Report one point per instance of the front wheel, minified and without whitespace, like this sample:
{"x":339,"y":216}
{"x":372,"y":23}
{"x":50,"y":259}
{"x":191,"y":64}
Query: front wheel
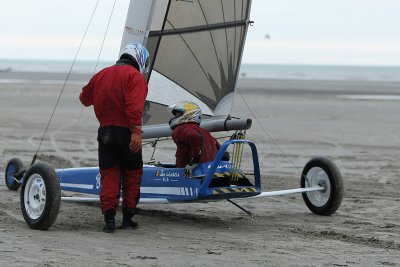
{"x":40,"y":196}
{"x":14,"y":172}
{"x":322,"y":172}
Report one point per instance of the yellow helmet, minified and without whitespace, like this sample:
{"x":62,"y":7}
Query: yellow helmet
{"x":184,"y":112}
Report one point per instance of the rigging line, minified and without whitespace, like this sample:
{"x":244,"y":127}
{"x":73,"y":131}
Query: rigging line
{"x":94,"y":71}
{"x":266,"y":133}
{"x":65,"y":83}
{"x":242,"y":148}
{"x":105,"y":35}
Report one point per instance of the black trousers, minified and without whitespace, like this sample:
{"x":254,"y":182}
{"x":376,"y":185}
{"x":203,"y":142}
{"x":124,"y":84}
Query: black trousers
{"x":114,"y":149}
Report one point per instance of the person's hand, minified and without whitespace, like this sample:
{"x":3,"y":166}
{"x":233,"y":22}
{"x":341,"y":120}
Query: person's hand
{"x":189,"y":168}
{"x":136,"y":139}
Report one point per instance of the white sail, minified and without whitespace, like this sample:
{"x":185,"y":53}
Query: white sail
{"x":196,"y":49}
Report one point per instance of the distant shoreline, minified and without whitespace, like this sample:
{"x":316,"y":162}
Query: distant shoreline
{"x":280,"y":86}
{"x":252,"y":71}
{"x":333,"y":87}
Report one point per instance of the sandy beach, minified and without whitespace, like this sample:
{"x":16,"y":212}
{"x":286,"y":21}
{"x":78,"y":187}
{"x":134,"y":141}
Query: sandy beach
{"x":293,"y":121}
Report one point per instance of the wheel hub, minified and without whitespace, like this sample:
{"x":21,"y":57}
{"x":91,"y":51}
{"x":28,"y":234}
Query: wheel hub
{"x":35,"y":196}
{"x":318,"y":177}
{"x":322,"y":183}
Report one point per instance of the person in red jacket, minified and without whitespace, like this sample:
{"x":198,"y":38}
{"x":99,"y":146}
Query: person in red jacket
{"x":118,"y":94}
{"x":194,"y":144}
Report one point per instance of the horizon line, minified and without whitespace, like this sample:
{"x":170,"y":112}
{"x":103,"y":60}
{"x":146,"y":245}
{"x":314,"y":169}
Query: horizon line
{"x":243,"y":63}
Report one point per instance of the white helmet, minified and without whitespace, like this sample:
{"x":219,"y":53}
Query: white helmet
{"x":184,"y":112}
{"x":139,"y":53}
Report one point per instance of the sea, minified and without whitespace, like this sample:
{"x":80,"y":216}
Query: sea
{"x":253,"y":71}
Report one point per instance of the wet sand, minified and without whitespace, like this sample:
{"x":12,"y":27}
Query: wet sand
{"x":293,"y":121}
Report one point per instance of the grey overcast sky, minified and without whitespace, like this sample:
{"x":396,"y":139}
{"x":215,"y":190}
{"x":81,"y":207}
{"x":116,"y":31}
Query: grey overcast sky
{"x":344,"y":32}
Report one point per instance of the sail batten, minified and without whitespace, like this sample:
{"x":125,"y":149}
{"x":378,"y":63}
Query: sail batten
{"x":208,"y":27}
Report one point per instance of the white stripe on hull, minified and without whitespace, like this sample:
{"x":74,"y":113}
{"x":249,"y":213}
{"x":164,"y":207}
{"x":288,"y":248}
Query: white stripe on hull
{"x":81,"y":186}
{"x":180,"y":191}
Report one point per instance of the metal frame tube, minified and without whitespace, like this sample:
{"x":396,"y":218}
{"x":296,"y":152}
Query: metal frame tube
{"x":165,"y":201}
{"x":289,"y":191}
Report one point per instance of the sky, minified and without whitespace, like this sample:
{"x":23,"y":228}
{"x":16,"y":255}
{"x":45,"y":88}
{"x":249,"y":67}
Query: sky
{"x":322,"y":32}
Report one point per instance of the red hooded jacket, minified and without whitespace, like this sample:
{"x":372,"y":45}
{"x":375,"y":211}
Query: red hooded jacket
{"x":118,"y":94}
{"x":193,"y":141}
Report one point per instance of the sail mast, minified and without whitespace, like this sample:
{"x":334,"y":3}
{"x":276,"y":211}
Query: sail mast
{"x":138,"y":22}
{"x":143,"y":17}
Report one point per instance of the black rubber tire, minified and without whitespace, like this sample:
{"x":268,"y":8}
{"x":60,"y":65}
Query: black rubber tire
{"x":336,"y":186}
{"x":52,"y":196}
{"x":18,"y":166}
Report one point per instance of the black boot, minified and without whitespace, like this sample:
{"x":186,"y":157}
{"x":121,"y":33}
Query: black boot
{"x":127,"y":222}
{"x":109,"y":218}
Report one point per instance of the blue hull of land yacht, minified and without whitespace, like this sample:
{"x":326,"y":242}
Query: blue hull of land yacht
{"x":170,"y":183}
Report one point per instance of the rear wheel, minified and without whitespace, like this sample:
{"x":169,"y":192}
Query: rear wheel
{"x":14,"y":173}
{"x":322,"y":172}
{"x":40,"y":196}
